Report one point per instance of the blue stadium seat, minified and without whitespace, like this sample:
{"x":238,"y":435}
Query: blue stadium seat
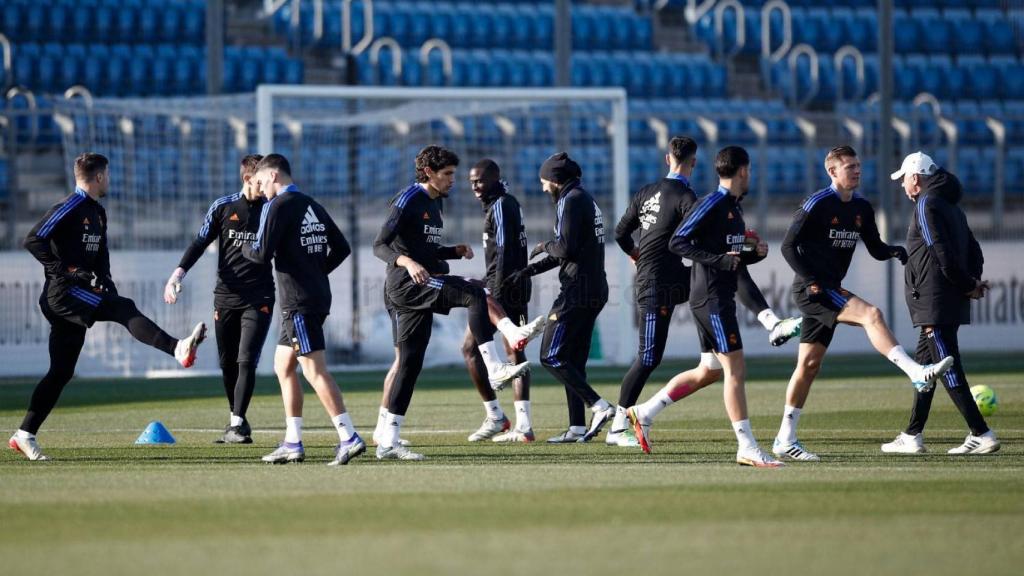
{"x":909,"y":38}
{"x":999,"y":36}
{"x":935,"y":31}
{"x":968,"y":33}
{"x":970,"y":123}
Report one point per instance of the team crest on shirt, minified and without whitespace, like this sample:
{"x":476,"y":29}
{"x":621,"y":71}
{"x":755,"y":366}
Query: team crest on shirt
{"x":664,"y":310}
{"x":857,"y":221}
{"x":732,"y":339}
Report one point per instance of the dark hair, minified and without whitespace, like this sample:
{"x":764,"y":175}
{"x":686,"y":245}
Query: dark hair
{"x":488,"y":167}
{"x":729,"y":161}
{"x":436,"y":158}
{"x":838,"y":153}
{"x":88,"y":165}
{"x":248,"y":165}
{"x":275,"y":162}
{"x":682,"y":148}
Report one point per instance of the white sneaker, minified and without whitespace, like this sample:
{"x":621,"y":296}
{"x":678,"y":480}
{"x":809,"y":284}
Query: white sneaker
{"x":754,"y":456}
{"x":398,"y":453}
{"x":185,"y":351}
{"x":377,"y":440}
{"x":987,"y":443}
{"x":622,"y":438}
{"x":794,"y":451}
{"x":505,"y":373}
{"x":925,"y":379}
{"x":905,"y":444}
{"x":515,"y":436}
{"x":490,"y":428}
{"x":565,"y":438}
{"x":641,"y":429}
{"x":597,"y":421}
{"x":28,"y":447}
{"x":785,"y":330}
{"x":528,"y":332}
{"x":286,"y":452}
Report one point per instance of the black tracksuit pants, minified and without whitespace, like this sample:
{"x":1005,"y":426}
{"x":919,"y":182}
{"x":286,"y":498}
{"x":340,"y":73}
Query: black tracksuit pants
{"x":934,"y":344}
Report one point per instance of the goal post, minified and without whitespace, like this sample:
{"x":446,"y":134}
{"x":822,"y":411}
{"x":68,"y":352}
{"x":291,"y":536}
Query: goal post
{"x":374,"y":133}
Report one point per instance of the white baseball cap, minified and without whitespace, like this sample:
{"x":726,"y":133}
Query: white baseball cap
{"x":916,"y":163}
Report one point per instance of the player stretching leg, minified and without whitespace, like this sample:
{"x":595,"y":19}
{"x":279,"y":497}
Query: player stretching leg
{"x":662,"y":280}
{"x":71,"y":244}
{"x":418,"y":285}
{"x":305,"y":245}
{"x":243,"y":299}
{"x":819,"y":247}
{"x":504,"y":240}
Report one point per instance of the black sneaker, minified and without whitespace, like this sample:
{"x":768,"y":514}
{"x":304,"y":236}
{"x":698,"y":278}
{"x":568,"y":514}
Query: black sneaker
{"x":241,"y":434}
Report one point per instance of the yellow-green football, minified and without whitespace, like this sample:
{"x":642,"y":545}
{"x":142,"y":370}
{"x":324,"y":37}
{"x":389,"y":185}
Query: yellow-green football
{"x":985,"y":398}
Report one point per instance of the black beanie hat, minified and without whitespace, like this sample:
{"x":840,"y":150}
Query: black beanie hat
{"x":559,"y":168}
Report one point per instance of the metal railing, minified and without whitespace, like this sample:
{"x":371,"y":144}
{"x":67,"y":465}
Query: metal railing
{"x":768,"y":55}
{"x":741,"y":29}
{"x":5,"y":44}
{"x":849,"y":51}
{"x":812,"y":62}
{"x":446,"y":58}
{"x":346,"y":28}
{"x":396,"y":57}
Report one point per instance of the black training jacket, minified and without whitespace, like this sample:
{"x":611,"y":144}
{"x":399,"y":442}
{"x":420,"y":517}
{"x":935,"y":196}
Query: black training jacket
{"x":233,"y":221}
{"x":505,"y":248}
{"x":305,"y":244}
{"x":578,"y":248}
{"x":945,"y":259}
{"x":657,"y":209}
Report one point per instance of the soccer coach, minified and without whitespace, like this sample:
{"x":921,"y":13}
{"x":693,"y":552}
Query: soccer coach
{"x":942,"y":275}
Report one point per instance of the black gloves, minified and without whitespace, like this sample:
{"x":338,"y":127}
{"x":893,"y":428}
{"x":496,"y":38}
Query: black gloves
{"x":900,"y":253}
{"x":516,"y":278}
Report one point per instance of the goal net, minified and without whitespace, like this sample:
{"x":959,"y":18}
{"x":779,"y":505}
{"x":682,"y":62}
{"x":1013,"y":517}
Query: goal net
{"x":352,"y":148}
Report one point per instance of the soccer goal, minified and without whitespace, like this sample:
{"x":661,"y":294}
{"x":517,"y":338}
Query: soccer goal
{"x":352,"y":148}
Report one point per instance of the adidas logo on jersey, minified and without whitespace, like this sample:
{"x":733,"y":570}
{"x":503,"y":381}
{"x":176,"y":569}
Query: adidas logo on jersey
{"x":310,"y":223}
{"x":234,"y":217}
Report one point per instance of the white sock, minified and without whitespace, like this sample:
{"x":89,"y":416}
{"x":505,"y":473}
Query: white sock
{"x":236,"y":420}
{"x":899,"y":357}
{"x":293,"y":429}
{"x":600,"y":405}
{"x":578,"y":430}
{"x":787,"y":431}
{"x":494,"y":411}
{"x":743,"y":434}
{"x":523,"y":423}
{"x":508,"y":329}
{"x":489,"y":351}
{"x":392,"y":429}
{"x":650,"y":409}
{"x":382,"y":416}
{"x":343,"y":423}
{"x":768,"y":319}
{"x":619,"y":422}
{"x":24,"y":435}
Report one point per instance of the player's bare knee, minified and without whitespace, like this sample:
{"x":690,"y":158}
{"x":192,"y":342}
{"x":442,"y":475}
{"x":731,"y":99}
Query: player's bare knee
{"x":468,"y":349}
{"x":875,"y":316}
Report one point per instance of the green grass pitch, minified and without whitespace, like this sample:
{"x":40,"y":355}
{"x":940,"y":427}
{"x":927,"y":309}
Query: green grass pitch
{"x":104,"y":506}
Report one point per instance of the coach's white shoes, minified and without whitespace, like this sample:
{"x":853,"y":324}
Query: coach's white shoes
{"x":528,"y":332}
{"x":398,"y":453}
{"x":503,"y":374}
{"x":490,"y":428}
{"x":924,"y":381}
{"x":794,"y":451}
{"x":185,"y":351}
{"x":987,"y":443}
{"x":28,"y":447}
{"x":905,"y":444}
{"x":566,"y":437}
{"x":754,"y":456}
